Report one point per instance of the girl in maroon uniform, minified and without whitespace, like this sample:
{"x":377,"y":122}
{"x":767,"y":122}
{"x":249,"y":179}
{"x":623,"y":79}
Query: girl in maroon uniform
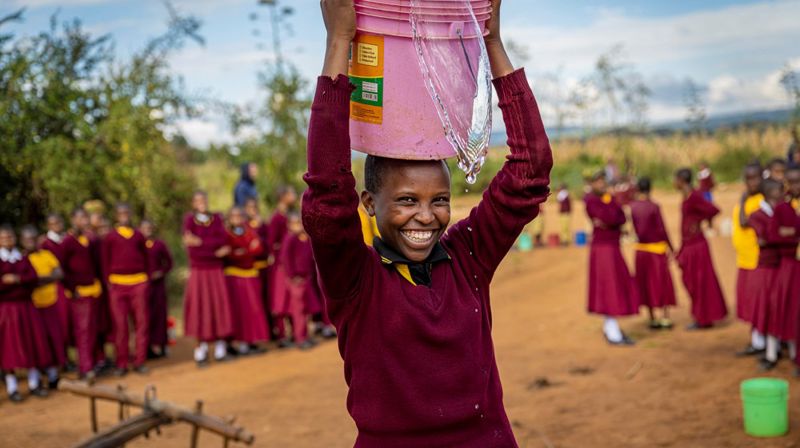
{"x":413,"y":312}
{"x":160,"y":263}
{"x":23,"y":344}
{"x":694,"y":257}
{"x":611,"y":288}
{"x":206,"y":306}
{"x":262,"y":260}
{"x":301,"y":299}
{"x":287,"y":197}
{"x":653,"y":278}
{"x":244,"y":284}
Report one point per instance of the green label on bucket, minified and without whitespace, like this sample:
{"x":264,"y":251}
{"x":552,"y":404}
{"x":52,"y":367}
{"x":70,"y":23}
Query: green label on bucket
{"x":368,"y":91}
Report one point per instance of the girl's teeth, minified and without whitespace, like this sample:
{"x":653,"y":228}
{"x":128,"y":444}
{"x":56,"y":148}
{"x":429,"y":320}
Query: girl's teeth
{"x":420,"y":237}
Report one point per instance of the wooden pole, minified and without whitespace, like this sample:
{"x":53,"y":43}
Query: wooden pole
{"x":207,"y":422}
{"x":198,"y":409}
{"x":125,"y":431}
{"x":93,"y":414}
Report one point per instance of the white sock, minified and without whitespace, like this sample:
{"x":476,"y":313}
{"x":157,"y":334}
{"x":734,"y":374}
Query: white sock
{"x":611,"y":329}
{"x":773,"y":345}
{"x":11,"y":383}
{"x":52,"y":374}
{"x":220,"y":350}
{"x":757,"y":340}
{"x":243,"y":349}
{"x":201,"y":352}
{"x":34,"y":379}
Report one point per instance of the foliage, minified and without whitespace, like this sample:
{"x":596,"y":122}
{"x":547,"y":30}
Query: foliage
{"x":81,"y":126}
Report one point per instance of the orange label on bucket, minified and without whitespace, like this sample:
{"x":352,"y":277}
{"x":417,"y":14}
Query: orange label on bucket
{"x":366,"y":73}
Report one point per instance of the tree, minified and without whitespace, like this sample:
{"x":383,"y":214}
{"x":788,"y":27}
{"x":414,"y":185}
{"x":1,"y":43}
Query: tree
{"x":696,"y":116}
{"x":790,"y":80}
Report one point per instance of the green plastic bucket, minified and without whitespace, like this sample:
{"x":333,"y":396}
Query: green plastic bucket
{"x":765,"y":403}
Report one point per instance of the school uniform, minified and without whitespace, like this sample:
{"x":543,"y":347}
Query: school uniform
{"x":764,"y":224}
{"x":45,"y":300}
{"x":83,"y":289}
{"x":23,"y":341}
{"x":745,"y":242}
{"x":611,"y":288}
{"x":416,"y":337}
{"x":784,"y":319}
{"x":206,"y":309}
{"x":159,"y":259}
{"x":694,"y":258}
{"x":54,"y":244}
{"x":653,"y":278}
{"x":301,"y":299}
{"x":244,"y":288}
{"x":262,"y":263}
{"x":127,"y":274}
{"x":706,"y":183}
{"x":277,"y":276}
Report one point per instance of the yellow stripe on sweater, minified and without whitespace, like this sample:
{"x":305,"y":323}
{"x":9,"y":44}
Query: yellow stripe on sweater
{"x":405,"y":272}
{"x":659,"y":248}
{"x":233,"y":271}
{"x":127,"y":279}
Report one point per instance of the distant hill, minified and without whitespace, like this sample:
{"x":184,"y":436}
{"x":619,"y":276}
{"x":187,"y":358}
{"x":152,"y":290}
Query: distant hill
{"x":712,"y":124}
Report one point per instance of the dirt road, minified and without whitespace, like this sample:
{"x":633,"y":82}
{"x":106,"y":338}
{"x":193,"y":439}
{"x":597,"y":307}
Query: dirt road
{"x":564,"y":387}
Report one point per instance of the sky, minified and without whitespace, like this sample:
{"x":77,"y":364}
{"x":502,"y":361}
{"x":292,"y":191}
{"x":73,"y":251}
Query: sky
{"x":733,"y":50}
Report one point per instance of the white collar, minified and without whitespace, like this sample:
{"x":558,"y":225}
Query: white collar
{"x":55,"y":237}
{"x":10,"y":256}
{"x":766,"y":208}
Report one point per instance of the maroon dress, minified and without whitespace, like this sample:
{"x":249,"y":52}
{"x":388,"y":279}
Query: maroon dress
{"x":277,"y":275}
{"x":611,"y":288}
{"x":653,"y":279}
{"x":784,"y":293}
{"x":159,"y":260}
{"x":62,"y":305}
{"x":244,"y":288}
{"x":82,"y":286}
{"x":419,"y":360}
{"x":23,"y":341}
{"x":694,"y":258}
{"x":206,"y":306}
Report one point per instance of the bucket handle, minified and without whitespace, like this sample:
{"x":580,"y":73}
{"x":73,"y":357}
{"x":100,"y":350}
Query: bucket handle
{"x":457,"y":30}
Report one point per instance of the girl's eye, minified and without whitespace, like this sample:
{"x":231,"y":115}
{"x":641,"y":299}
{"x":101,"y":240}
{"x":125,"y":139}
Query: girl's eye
{"x":442,"y":200}
{"x":406,"y":199}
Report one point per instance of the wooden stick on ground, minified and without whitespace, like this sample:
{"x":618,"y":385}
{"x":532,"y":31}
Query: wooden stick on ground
{"x":125,"y":431}
{"x":173,"y":412}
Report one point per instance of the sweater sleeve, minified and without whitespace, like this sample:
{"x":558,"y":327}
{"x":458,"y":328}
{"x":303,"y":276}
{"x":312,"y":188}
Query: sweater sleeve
{"x":611,"y":214}
{"x":330,"y":205}
{"x":514,"y":196}
{"x":165,"y":259}
{"x":702,"y":208}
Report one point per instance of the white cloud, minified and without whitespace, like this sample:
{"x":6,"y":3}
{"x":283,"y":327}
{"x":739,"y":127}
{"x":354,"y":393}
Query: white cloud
{"x":200,"y":132}
{"x":40,"y":3}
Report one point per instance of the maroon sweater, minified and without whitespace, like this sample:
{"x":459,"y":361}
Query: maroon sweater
{"x":56,"y":249}
{"x":80,"y":263}
{"x":18,"y":292}
{"x":122,"y":255}
{"x":297,"y":257}
{"x":419,"y":360}
{"x":786,"y":216}
{"x":648,"y":222}
{"x":278,"y":227}
{"x":213,"y":235}
{"x":159,"y":258}
{"x":610,"y":215}
{"x":694,"y":210}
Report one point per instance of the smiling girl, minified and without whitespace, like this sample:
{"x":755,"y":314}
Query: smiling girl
{"x":413,"y":313}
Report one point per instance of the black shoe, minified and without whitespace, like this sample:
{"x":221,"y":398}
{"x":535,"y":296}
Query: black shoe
{"x":39,"y":392}
{"x":70,"y":367}
{"x":285,"y":343}
{"x":89,"y":376}
{"x":225,"y":358}
{"x":654,"y":325}
{"x":750,"y":351}
{"x":625,"y":341}
{"x":308,"y":344}
{"x":255,"y":349}
{"x":141,"y":369}
{"x":16,"y":397}
{"x":766,"y":365}
{"x":120,"y":372}
{"x":53,"y":385}
{"x":694,"y":326}
{"x":203,"y":363}
{"x":329,"y":333}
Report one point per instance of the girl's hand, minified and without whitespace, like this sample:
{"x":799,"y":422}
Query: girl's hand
{"x":340,"y":22}
{"x":222,"y":252}
{"x":10,"y":279}
{"x":498,"y":58}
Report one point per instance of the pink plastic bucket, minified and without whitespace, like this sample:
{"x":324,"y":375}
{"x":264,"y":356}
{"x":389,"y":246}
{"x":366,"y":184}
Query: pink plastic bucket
{"x":391,"y":112}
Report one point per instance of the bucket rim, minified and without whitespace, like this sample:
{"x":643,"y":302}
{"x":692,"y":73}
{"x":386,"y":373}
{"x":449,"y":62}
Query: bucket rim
{"x":764,"y":388}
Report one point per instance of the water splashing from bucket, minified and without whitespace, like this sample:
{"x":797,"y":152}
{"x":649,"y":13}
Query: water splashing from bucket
{"x":447,"y":65}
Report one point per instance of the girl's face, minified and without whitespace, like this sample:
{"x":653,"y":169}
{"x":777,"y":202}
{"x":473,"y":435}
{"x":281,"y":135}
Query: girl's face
{"x":28,"y":241}
{"x":147,"y":229}
{"x":412,"y":208}
{"x":236,"y":218}
{"x":7,"y":239}
{"x":599,"y":186}
{"x":251,"y":208}
{"x":80,"y":220}
{"x":200,"y":203}
{"x":55,"y":224}
{"x":793,"y":182}
{"x":289,"y":198}
{"x":752,"y":180}
{"x":295,"y":225}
